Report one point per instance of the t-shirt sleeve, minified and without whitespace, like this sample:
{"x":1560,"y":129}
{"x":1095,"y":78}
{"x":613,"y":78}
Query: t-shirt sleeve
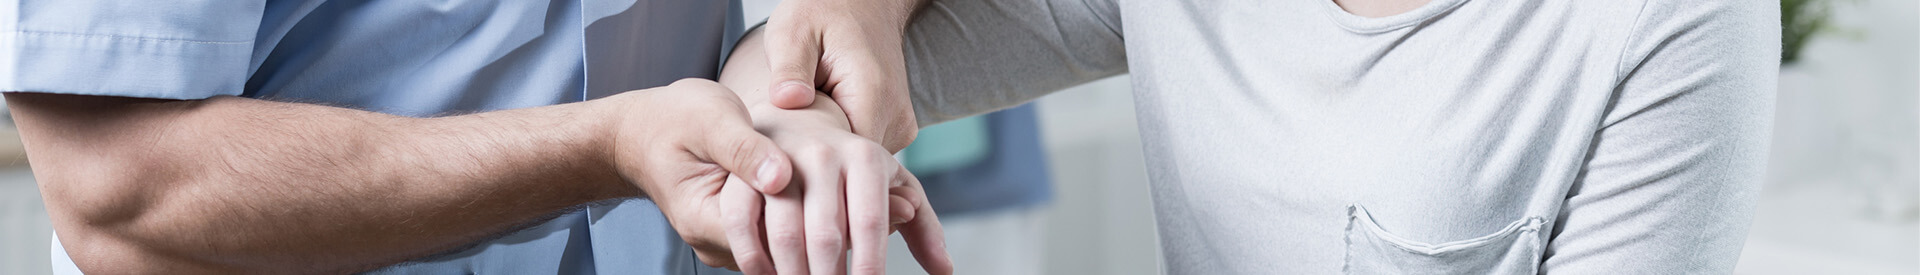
{"x":185,"y":49}
{"x":968,"y":57}
{"x":1672,"y":179}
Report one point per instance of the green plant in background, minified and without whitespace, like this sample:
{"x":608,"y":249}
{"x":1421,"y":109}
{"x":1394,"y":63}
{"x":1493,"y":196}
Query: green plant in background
{"x":1800,"y":20}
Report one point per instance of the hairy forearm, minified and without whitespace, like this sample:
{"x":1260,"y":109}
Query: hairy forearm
{"x":249,"y":185}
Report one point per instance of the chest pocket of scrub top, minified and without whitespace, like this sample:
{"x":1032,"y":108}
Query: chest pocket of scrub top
{"x":1515,"y":249}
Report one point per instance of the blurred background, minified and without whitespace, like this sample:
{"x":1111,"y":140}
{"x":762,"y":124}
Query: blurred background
{"x":1842,"y":196}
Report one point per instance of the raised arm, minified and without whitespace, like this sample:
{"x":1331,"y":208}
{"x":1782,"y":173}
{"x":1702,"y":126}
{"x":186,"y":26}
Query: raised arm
{"x":1671,"y":182}
{"x":970,"y":57}
{"x":236,"y":185}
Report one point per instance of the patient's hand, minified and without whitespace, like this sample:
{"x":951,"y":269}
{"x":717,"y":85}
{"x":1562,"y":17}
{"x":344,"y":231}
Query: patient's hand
{"x":847,"y":192}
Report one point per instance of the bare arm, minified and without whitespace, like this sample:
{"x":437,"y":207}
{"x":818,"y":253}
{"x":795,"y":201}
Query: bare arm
{"x":242,"y":185}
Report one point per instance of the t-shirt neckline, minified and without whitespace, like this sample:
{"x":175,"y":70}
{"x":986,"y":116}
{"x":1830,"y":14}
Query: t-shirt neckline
{"x":1366,"y":25}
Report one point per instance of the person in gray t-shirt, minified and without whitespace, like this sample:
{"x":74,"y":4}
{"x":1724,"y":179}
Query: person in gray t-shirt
{"x":1446,"y":136}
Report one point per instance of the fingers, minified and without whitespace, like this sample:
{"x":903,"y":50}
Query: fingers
{"x":899,"y":211}
{"x":922,"y":231}
{"x":868,"y":178}
{"x":786,"y":231}
{"x":826,"y":219}
{"x":742,"y":207}
{"x":754,"y":157}
{"x":793,"y":53}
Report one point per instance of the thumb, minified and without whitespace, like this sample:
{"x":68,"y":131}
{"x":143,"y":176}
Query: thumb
{"x":748,"y":155}
{"x":793,"y":55}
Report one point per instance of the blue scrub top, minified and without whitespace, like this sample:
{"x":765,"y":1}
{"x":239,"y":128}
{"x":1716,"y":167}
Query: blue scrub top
{"x":412,"y":58}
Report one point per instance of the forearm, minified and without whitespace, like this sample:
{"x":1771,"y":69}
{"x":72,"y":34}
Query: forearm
{"x":256,"y":186}
{"x":970,"y":57}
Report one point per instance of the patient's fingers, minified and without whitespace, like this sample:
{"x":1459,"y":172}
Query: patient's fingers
{"x":922,"y":231}
{"x":742,"y":207}
{"x":868,"y":177}
{"x":825,"y":218}
{"x":786,"y":229}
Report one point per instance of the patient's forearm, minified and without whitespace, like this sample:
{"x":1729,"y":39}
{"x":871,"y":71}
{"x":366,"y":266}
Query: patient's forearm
{"x":970,"y":57}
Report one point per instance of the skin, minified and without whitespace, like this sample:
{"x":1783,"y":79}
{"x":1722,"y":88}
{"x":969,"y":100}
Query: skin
{"x":1379,"y":8}
{"x":827,"y":157}
{"x":236,"y":185}
{"x":850,"y":49}
{"x":810,"y":231}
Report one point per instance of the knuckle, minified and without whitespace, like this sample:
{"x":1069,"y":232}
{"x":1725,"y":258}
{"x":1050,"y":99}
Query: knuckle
{"x":796,"y":69}
{"x":825,"y":238}
{"x":743,"y":149}
{"x":872,"y":222}
{"x":868,"y":268}
{"x":863,"y":149}
{"x":747,"y":255}
{"x":740,"y":224}
{"x":786,"y":238}
{"x":905,"y":135}
{"x":853,"y":145}
{"x":814,"y":154}
{"x":872,"y":153}
{"x":710,"y":260}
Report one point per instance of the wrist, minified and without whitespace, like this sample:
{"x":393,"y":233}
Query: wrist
{"x":823,"y":113}
{"x":598,"y":131}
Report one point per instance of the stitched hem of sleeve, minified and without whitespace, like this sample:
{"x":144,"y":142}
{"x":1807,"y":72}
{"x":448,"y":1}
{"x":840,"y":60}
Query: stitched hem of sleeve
{"x":108,"y":65}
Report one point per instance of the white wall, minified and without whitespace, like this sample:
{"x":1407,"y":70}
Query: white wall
{"x":25,"y":236}
{"x":1101,"y":220}
{"x":1844,"y":193}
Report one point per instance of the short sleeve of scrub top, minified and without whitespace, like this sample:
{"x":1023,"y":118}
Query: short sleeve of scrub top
{"x":185,"y":49}
{"x":506,"y":54}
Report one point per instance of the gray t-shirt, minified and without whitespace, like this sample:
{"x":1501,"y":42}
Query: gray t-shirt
{"x":1292,"y":137}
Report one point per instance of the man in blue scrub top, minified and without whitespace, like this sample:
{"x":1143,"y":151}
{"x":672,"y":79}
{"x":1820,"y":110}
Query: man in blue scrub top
{"x":309,"y":136}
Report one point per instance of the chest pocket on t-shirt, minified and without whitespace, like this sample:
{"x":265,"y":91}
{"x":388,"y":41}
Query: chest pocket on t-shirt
{"x":1370,"y":249}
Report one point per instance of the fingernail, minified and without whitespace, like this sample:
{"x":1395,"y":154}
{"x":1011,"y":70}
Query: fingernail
{"x":765,"y":176}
